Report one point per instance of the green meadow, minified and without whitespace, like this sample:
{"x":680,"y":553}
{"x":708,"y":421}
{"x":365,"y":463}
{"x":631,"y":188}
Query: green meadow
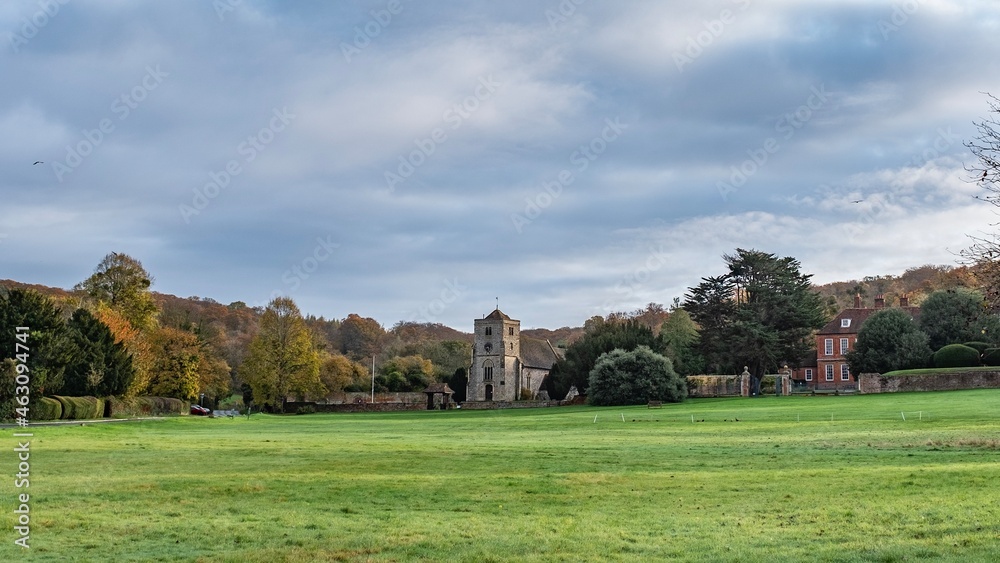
{"x":794,"y":479}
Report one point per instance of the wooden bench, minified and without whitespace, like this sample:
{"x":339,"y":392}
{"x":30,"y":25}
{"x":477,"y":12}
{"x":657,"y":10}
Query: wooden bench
{"x":655,"y":405}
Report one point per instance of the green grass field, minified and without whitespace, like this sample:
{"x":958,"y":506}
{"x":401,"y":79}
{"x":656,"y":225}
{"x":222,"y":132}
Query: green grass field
{"x":797,"y":478}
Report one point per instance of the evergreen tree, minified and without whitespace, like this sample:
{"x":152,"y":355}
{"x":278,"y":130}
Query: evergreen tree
{"x":889,"y":340}
{"x":100,"y":366}
{"x":760,"y":314}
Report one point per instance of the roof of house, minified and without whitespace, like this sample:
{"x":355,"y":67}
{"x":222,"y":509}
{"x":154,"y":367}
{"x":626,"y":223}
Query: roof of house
{"x":857,"y":317}
{"x":538,"y":353}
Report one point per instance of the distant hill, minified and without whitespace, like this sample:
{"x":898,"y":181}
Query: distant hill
{"x":915,"y":283}
{"x":560,"y":337}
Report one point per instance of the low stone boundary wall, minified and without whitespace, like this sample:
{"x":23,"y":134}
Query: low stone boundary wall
{"x":487,"y":405}
{"x":878,"y":383}
{"x":291,"y":408}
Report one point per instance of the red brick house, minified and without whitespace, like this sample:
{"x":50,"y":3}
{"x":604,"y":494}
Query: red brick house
{"x":830,"y":370}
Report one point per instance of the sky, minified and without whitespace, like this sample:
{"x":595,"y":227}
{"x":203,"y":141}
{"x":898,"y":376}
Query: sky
{"x":426,"y":160}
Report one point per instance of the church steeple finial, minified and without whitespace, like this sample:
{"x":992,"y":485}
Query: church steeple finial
{"x":498,"y":303}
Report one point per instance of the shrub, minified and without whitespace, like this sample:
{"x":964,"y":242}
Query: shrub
{"x":47,"y":409}
{"x":956,"y":356}
{"x":307,"y":409}
{"x":79,"y":408}
{"x":628,"y":378}
{"x":991,"y":357}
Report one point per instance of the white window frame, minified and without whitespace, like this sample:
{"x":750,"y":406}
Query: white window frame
{"x":845,"y":323}
{"x":829,"y":372}
{"x":828,"y":347}
{"x":809,"y":374}
{"x":845,"y":372}
{"x":845,"y":344}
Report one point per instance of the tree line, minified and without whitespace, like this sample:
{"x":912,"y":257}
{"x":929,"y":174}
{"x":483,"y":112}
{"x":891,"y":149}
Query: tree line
{"x":112,"y":336}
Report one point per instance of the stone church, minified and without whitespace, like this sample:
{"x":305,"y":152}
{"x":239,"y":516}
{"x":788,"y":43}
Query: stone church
{"x":505,"y":364}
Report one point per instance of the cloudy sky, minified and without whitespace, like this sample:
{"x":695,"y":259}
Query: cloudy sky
{"x":415,"y":160}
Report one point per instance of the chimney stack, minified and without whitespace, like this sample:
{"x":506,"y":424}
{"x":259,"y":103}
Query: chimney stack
{"x":857,"y":300}
{"x":879,"y":301}
{"x":904,"y":301}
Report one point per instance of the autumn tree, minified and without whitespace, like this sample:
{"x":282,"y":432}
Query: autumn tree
{"x":177,"y":363}
{"x":360,"y":337}
{"x":122,"y":282}
{"x":407,"y":373}
{"x":761,"y":313}
{"x":339,"y":373}
{"x":135,"y":342}
{"x":282,"y":361}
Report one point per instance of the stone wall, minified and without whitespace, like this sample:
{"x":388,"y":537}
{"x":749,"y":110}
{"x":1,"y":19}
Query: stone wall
{"x":291,"y":407}
{"x":487,"y":405}
{"x":354,"y":397}
{"x":877,"y":383}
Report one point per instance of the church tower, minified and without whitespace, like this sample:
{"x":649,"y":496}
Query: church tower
{"x":495,"y":374}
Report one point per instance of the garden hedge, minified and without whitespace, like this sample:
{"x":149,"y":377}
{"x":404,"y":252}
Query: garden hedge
{"x":47,"y":409}
{"x":956,"y":356}
{"x":981,"y":346}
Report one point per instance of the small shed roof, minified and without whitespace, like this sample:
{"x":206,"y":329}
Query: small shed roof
{"x":439,"y":388}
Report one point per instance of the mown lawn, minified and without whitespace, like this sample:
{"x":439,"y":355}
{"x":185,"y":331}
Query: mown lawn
{"x":796,"y":478}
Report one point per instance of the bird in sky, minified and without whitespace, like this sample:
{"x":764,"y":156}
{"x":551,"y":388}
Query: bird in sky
{"x":37,"y":162}
{"x":857,"y":201}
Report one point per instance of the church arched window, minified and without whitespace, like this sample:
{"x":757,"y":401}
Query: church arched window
{"x":489,"y":331}
{"x":488,"y":370}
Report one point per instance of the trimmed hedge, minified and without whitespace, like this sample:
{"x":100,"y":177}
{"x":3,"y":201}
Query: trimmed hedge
{"x":47,"y":409}
{"x":956,"y":356}
{"x":991,"y":357}
{"x":981,"y":346}
{"x":80,"y":408}
{"x":162,"y":405}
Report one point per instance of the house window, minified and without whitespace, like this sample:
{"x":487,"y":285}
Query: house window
{"x":488,"y":371}
{"x":845,"y":372}
{"x":843,"y":345}
{"x":511,"y":330}
{"x":809,"y":374}
{"x":845,"y":323}
{"x":489,"y":331}
{"x":828,"y":347}
{"x":829,"y":372}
